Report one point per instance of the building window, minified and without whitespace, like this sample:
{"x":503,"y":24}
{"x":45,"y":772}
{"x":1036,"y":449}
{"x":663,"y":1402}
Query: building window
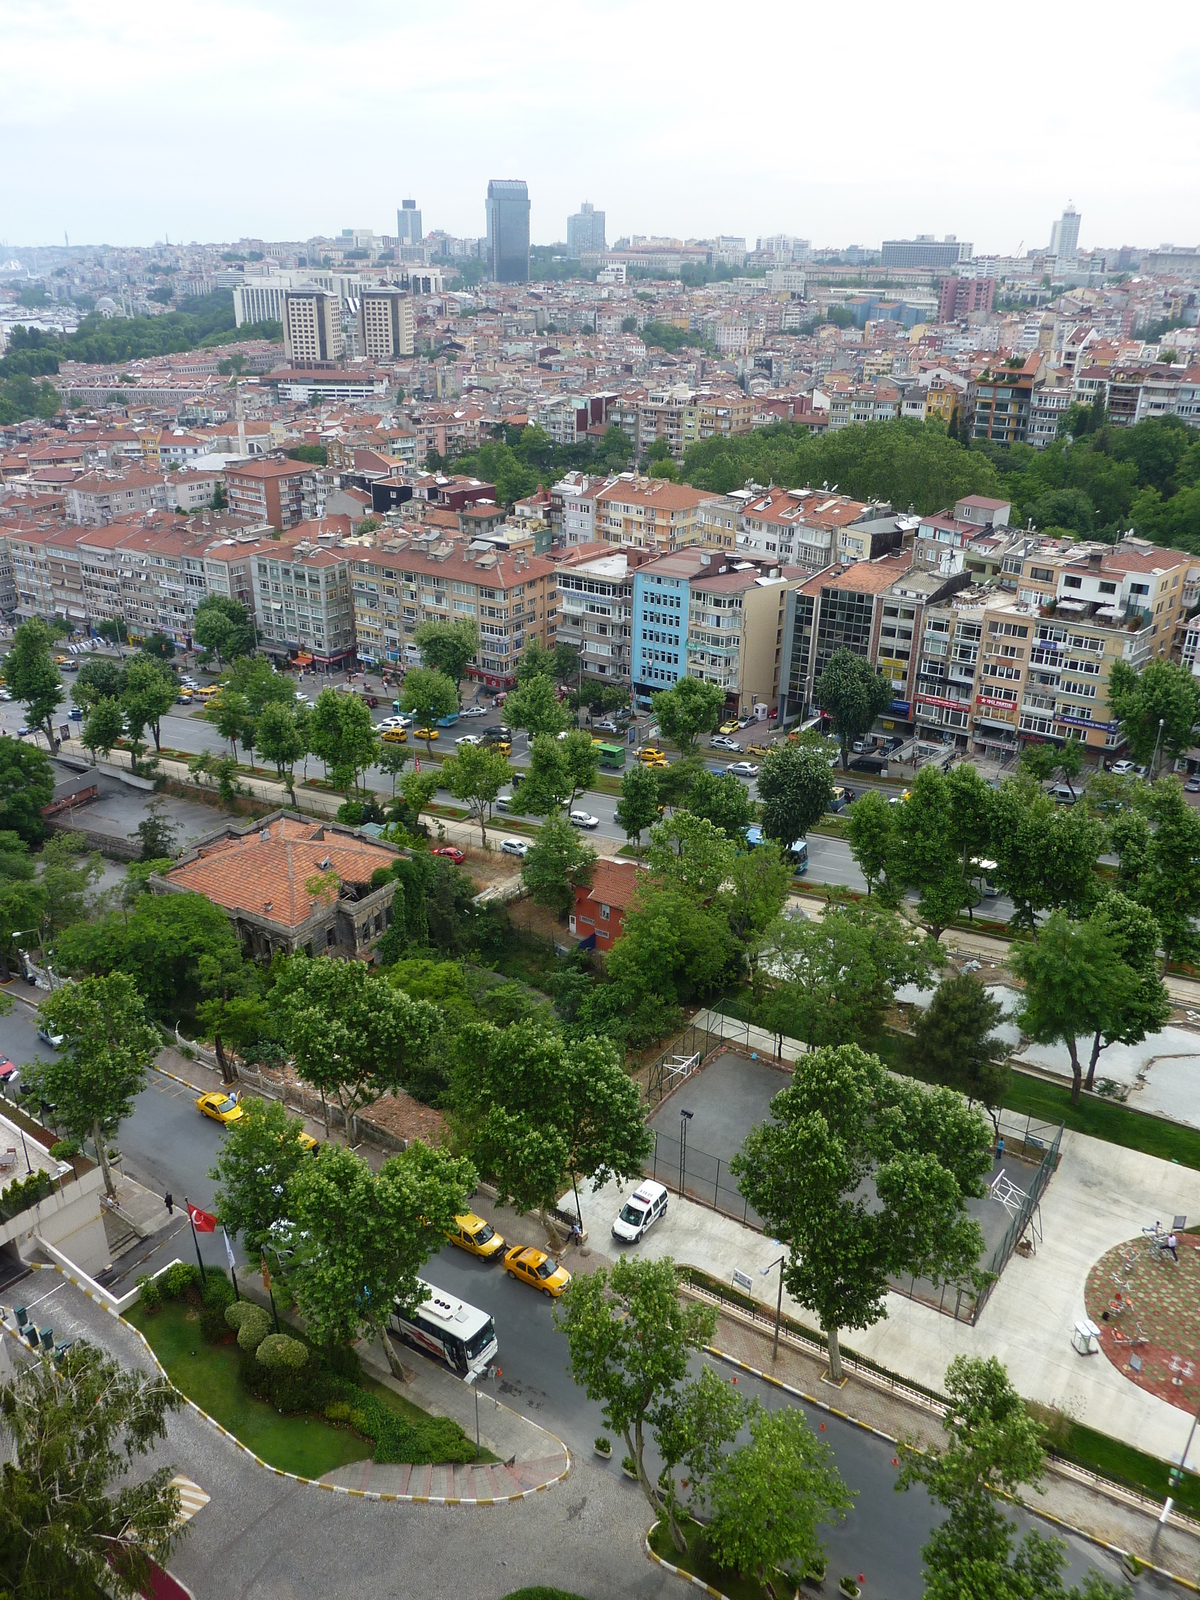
{"x":604,"y":913}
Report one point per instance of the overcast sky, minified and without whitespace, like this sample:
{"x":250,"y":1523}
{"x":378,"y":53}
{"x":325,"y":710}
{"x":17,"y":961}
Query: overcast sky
{"x":214,"y":119}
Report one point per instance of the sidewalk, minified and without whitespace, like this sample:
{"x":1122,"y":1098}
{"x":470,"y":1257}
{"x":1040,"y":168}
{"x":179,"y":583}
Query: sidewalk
{"x":531,"y":1459}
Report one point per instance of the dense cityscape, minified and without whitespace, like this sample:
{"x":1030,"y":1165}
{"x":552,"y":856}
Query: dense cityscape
{"x":599,"y":869}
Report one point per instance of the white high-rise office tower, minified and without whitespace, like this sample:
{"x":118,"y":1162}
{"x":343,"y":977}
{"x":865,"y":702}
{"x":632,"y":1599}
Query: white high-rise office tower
{"x":408,"y":223}
{"x":1064,"y":234}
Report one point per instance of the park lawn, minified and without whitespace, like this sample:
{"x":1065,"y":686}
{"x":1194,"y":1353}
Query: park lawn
{"x":209,"y":1375}
{"x":696,"y":1560}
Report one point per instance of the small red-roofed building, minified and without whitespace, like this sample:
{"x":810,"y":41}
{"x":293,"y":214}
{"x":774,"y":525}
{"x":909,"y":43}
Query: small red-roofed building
{"x":598,"y":919}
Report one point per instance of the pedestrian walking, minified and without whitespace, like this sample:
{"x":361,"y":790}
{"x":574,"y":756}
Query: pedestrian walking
{"x":1000,"y":1148}
{"x":1172,"y":1245}
{"x":169,"y":1202}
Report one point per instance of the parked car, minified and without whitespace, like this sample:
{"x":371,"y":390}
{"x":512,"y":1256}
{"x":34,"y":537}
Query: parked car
{"x":451,"y":853}
{"x":1193,"y":785}
{"x":8,"y":1069}
{"x":514,"y":847}
{"x":645,"y":1205}
{"x":1122,"y":769}
{"x":584,"y":819}
{"x":729,"y":727}
{"x":606,"y":725}
{"x":743,"y":769}
{"x":476,"y":711}
{"x":220,"y":1107}
{"x":720,"y":742}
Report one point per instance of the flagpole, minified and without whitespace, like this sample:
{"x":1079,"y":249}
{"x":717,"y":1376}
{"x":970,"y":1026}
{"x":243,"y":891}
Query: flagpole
{"x":232,"y":1270}
{"x":195,"y":1239}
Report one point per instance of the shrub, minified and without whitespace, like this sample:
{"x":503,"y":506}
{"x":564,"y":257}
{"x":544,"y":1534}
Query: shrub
{"x":342,"y":1362}
{"x":181,"y":1281}
{"x":65,"y":1149}
{"x":235,"y":1313}
{"x":279,"y":1353}
{"x":255,"y":1326}
{"x":149,"y":1293}
{"x":217,"y":1291}
{"x":213,"y":1327}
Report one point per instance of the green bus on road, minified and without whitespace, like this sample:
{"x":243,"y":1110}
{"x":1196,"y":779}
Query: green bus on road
{"x":611,"y":755}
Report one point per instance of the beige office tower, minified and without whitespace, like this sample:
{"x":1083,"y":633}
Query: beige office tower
{"x":385,"y":324}
{"x":312,"y":327}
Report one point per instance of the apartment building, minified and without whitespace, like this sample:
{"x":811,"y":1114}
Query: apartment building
{"x":566,"y":418}
{"x":682,"y":416}
{"x":572,"y":507}
{"x":385,"y":324}
{"x":302,"y":596}
{"x":999,"y":666}
{"x":512,"y":596}
{"x":312,"y":328}
{"x":650,"y":513}
{"x":1000,"y":399}
{"x":811,"y":528}
{"x":280,"y":493}
{"x":735,"y":632}
{"x":838,"y":609}
{"x":97,"y":498}
{"x":945,"y":541}
{"x":595,"y":607}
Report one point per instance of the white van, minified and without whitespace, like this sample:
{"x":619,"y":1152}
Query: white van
{"x":643,"y":1208}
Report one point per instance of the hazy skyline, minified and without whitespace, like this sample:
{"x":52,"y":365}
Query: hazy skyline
{"x":216,"y":120}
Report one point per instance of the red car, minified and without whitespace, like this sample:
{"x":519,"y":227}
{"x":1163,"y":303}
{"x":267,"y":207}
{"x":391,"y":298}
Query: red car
{"x":451,"y":853}
{"x":7,"y":1068}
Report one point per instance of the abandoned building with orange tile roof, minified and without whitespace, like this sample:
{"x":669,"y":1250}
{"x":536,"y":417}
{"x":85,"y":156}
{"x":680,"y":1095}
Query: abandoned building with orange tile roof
{"x":292,"y":885}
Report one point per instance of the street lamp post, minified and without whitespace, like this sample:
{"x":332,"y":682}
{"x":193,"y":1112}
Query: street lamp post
{"x":1162,"y":722}
{"x":684,"y":1118}
{"x":778,"y":1303}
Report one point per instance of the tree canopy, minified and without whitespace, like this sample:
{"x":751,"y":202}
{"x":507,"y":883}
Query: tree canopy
{"x":852,"y":694}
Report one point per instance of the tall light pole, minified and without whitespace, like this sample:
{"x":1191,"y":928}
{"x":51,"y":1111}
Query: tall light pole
{"x":778,"y":1303}
{"x":684,"y":1118}
{"x":1162,"y":722}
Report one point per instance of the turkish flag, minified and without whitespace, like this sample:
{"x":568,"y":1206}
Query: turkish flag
{"x":201,"y":1220}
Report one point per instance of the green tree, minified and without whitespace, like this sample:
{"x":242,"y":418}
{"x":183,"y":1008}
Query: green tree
{"x":229,"y":713}
{"x":101,"y":678}
{"x":795,"y":787}
{"x":706,"y":1415}
{"x":32,"y":677}
{"x":1046,"y":854}
{"x":362,"y":1237}
{"x":631,"y":1338}
{"x":852,"y":694}
{"x":69,"y":1528}
{"x":260,"y":1155}
{"x":148,"y":695}
{"x":691,"y":853}
{"x":871,"y":834}
{"x":448,"y":647}
{"x":352,"y":1035}
{"x":673,"y":948}
{"x":392,"y":760}
{"x":845,"y":1119}
{"x":723,"y":800}
{"x":262,"y":685}
{"x":770,"y":1497}
{"x":1158,"y":709}
{"x":559,"y":769}
{"x":557,"y":860}
{"x":686,"y":710}
{"x":222,"y":627}
{"x":68,"y":871}
{"x":993,"y":1447}
{"x":103,"y":727}
{"x":637,"y":808}
{"x":1136,"y":938}
{"x":22,"y":901}
{"x":1076,"y":983}
{"x":955,"y":1043}
{"x":157,"y":835}
{"x":102,"y":1067}
{"x":342,"y":736}
{"x":835,"y":979}
{"x":535,"y":1110}
{"x":160,"y":943}
{"x":280,"y":739}
{"x":429,"y":696}
{"x":476,"y":773}
{"x":26,"y":785}
{"x":923,"y":853}
{"x":534,"y":705}
{"x":754,"y":893}
{"x":1160,"y":865}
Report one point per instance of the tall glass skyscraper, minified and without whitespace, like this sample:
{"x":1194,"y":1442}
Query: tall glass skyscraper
{"x":408,"y":223}
{"x":508,"y":230}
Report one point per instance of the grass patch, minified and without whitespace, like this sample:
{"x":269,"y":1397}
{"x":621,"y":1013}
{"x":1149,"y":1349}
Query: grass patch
{"x":696,"y":1560}
{"x":1105,"y":1119}
{"x":210,"y":1375}
{"x":541,"y":1592}
{"x":1114,"y":1459}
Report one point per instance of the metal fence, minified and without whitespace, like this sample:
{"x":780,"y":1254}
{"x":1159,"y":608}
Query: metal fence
{"x":1030,"y":1139}
{"x":699,"y":1041}
{"x":699,"y":1176}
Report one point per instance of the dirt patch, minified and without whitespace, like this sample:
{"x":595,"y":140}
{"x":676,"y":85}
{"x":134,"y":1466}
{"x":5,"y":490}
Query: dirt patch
{"x":394,"y":1120}
{"x":529,"y":917}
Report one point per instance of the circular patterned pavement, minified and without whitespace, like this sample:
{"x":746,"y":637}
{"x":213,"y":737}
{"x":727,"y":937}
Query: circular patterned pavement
{"x":1147,"y":1307}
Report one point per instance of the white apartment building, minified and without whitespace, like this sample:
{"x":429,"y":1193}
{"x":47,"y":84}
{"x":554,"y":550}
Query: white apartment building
{"x":595,"y":609}
{"x":312,"y":327}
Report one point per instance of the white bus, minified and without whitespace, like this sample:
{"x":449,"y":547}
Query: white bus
{"x":454,"y":1332}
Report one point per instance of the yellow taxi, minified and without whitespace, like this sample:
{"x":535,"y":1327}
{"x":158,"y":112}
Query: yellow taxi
{"x":759,"y":750}
{"x":475,"y":1236}
{"x":220,"y":1107}
{"x":306,"y":1142}
{"x":425,"y":733}
{"x":651,"y":756}
{"x":728,"y":727}
{"x":395,"y":736}
{"x":537,"y":1269}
